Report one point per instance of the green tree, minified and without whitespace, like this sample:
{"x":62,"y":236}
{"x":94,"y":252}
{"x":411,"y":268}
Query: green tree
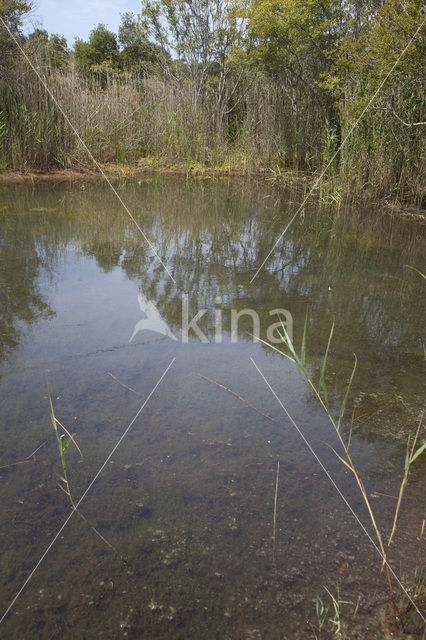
{"x":138,"y":53}
{"x":295,"y":38}
{"x":293,"y":42}
{"x":51,"y":51}
{"x":128,"y":31}
{"x":12,"y":13}
{"x":373,"y":44}
{"x":383,"y":52}
{"x":202,"y":35}
{"x":99,"y":53}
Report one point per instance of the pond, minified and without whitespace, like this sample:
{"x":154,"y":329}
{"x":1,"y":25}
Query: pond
{"x":189,"y":497}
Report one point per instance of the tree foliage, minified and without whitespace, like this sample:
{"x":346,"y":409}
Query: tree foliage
{"x":201,"y":37}
{"x":12,"y":13}
{"x":286,"y":82}
{"x":50,"y":51}
{"x":386,"y":43}
{"x":100,"y":50}
{"x":138,"y":54}
{"x":105,"y":53}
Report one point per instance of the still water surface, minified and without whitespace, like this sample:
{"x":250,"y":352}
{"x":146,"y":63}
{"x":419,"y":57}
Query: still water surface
{"x":188,"y":497}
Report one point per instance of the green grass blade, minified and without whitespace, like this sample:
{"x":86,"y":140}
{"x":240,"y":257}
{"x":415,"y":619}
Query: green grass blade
{"x":269,"y":344}
{"x":322,"y":383}
{"x":52,"y":413}
{"x":303,"y":347}
{"x":407,"y":457}
{"x":345,"y":399}
{"x":350,"y":431}
{"x":294,"y":355}
{"x":416,"y":270}
{"x":69,"y":443}
{"x":419,"y":452}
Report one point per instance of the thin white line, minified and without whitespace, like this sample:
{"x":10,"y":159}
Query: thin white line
{"x":85,"y":493}
{"x":337,"y":489}
{"x":318,"y":180}
{"x":91,"y":156}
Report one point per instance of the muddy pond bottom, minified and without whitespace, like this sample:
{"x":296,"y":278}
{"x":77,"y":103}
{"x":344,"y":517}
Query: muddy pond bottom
{"x":220,"y":520}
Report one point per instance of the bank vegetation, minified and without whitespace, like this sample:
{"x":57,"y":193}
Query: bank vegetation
{"x":280,"y":86}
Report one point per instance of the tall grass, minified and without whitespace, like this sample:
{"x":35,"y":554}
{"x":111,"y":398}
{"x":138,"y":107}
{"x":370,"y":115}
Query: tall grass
{"x":154,"y":120}
{"x":64,"y":440}
{"x":320,"y":390}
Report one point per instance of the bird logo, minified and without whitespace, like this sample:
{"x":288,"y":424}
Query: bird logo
{"x":153,"y":320}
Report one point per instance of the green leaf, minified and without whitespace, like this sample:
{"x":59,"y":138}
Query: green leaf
{"x":350,"y":431}
{"x":322,"y":383}
{"x":416,"y":270}
{"x":343,"y":407}
{"x":69,"y":443}
{"x":52,"y":413}
{"x":303,"y":347}
{"x":407,"y":457}
{"x":419,"y":452}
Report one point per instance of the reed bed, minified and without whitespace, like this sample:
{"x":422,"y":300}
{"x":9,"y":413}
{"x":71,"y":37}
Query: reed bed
{"x":154,"y":121}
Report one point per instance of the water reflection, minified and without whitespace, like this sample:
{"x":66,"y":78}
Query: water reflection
{"x":189,"y":498}
{"x":23,"y":266}
{"x":213,"y":236}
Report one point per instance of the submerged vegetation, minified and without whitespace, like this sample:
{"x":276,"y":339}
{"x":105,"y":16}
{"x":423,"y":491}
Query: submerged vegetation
{"x":409,"y":595}
{"x":201,"y":484}
{"x":228,"y":85}
{"x":64,"y":484}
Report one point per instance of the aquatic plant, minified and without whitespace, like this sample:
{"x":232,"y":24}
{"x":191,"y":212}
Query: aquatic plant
{"x":65,"y":440}
{"x":337,"y":602}
{"x":321,"y":392}
{"x":152,"y":120}
{"x":322,"y":611}
{"x":416,"y":270}
{"x":334,"y":618}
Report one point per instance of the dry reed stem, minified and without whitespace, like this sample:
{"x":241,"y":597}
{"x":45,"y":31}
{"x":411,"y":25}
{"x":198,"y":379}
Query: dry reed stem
{"x":71,"y":437}
{"x":274,"y":529}
{"x":386,"y":495}
{"x":122,"y":383}
{"x":419,"y":551}
{"x":401,"y":492}
{"x":98,"y":533}
{"x":27,"y":459}
{"x":246,"y":402}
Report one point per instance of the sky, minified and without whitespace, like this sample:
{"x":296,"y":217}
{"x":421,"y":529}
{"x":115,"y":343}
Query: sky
{"x":71,"y":18}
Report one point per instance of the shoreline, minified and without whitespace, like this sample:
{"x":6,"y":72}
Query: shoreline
{"x":130,"y":172}
{"x":126,"y":171}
